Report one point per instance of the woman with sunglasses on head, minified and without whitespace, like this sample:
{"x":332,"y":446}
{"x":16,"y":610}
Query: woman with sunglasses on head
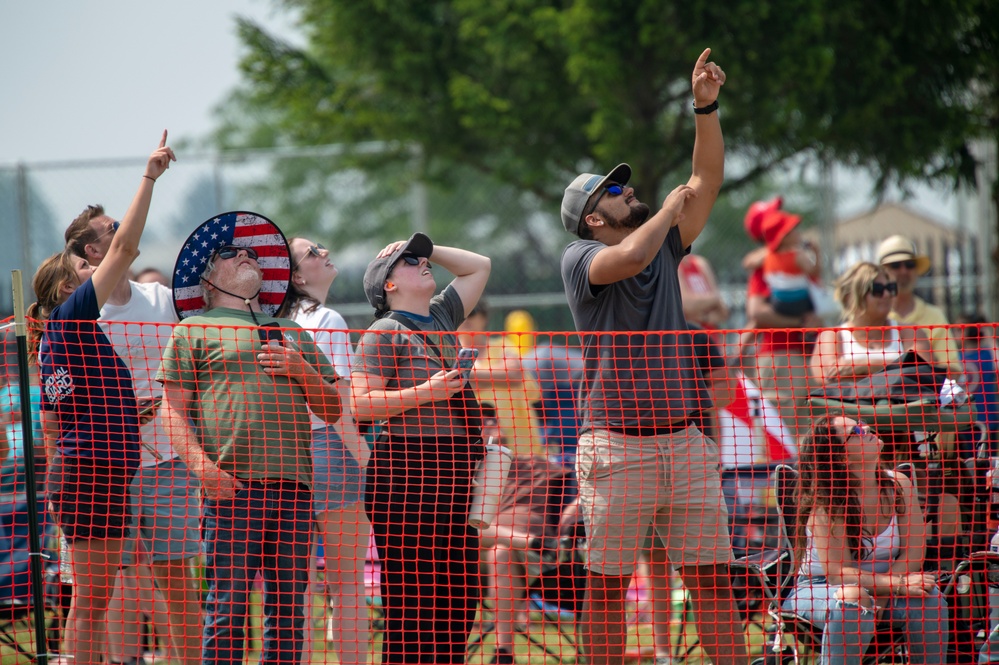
{"x":861,"y":541}
{"x":339,"y":455}
{"x":867,"y":341}
{"x":419,"y":482}
{"x":90,"y":415}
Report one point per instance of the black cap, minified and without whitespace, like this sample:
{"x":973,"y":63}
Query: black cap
{"x":378,"y":270}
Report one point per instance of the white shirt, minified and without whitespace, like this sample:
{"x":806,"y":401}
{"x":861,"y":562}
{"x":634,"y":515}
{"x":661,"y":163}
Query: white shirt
{"x":139,"y":331}
{"x":329,"y":330}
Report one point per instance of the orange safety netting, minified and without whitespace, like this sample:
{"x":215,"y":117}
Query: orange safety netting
{"x":819,"y":493}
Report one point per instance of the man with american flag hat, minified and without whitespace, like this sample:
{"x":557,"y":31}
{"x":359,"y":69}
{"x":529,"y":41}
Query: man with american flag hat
{"x":238,"y":386}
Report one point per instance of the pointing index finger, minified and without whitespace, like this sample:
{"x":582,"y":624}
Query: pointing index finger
{"x":703,"y":59}
{"x":163,"y":140}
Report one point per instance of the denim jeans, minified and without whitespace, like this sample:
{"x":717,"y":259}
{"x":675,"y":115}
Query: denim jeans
{"x":990,"y":650}
{"x":849,"y":628}
{"x":266,"y":528}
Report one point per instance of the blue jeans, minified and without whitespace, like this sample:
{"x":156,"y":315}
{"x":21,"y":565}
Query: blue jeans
{"x":266,"y":528}
{"x":990,"y":650}
{"x":847,"y":628}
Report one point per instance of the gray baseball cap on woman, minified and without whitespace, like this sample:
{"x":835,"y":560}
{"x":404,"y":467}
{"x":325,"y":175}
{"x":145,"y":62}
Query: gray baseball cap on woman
{"x":378,"y":270}
{"x":578,"y":193}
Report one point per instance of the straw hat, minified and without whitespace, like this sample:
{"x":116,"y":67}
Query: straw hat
{"x":900,"y":248}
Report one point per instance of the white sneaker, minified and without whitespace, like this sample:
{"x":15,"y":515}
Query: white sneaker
{"x":664,"y":660}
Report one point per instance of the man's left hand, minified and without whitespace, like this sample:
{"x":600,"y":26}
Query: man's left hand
{"x":707,"y":80}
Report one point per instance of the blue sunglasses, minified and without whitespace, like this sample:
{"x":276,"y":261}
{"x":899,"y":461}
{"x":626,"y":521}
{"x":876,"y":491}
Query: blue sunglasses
{"x":613,"y":189}
{"x":114,"y":227}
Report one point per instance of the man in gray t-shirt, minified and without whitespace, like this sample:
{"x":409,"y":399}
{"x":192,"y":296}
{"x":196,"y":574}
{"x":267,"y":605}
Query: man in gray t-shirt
{"x":641,"y":462}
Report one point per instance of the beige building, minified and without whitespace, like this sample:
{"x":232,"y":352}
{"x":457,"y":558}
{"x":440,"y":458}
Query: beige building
{"x":952,"y":282}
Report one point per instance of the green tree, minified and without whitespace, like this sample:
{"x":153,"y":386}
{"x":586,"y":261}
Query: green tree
{"x":525,"y":94}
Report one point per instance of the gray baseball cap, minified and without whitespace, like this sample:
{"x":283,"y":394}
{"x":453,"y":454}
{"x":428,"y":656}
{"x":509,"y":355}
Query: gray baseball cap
{"x":578,"y":193}
{"x":378,"y":270}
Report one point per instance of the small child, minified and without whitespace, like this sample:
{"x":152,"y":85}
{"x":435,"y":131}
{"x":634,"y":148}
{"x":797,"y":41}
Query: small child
{"x":790,"y":266}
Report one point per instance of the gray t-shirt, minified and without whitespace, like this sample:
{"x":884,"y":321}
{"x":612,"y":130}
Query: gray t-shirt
{"x":633,"y":380}
{"x":392,"y":351}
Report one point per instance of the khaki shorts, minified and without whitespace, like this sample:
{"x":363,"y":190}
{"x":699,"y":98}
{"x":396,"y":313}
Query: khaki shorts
{"x":629,"y":484}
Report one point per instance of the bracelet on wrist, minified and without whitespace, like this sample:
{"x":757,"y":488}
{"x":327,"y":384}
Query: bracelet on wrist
{"x":148,"y":177}
{"x":705,"y":110}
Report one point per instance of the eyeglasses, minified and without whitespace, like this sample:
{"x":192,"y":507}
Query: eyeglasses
{"x":411,"y":260}
{"x":862,"y":430}
{"x":878,"y":290}
{"x":908,"y":264}
{"x":231,"y":252}
{"x":613,"y":189}
{"x":114,"y":227}
{"x":315,"y":250}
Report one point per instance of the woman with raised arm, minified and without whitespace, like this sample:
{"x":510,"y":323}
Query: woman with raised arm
{"x":339,"y":455}
{"x":90,"y":415}
{"x":861,"y":539}
{"x":419,"y":482}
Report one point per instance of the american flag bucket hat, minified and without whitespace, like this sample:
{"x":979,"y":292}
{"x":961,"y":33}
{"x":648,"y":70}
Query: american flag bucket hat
{"x":238,"y":228}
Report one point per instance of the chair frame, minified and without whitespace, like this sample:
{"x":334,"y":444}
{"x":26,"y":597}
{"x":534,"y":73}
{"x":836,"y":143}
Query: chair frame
{"x":776,"y":586}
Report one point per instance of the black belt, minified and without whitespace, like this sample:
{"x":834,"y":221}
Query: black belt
{"x":657,"y":430}
{"x":280,"y":484}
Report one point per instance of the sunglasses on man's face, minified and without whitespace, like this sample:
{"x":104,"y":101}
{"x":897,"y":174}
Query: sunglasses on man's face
{"x":114,"y":227}
{"x":878,"y":290}
{"x":908,"y":264}
{"x":411,"y":260}
{"x":231,"y":252}
{"x":612,"y":188}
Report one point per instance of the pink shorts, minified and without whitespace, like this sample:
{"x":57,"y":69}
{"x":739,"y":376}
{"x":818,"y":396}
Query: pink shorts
{"x":629,"y":485}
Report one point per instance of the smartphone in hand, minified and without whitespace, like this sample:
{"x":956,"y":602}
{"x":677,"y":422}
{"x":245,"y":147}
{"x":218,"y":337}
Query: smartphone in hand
{"x":270,"y":332}
{"x":465,"y":361}
{"x":147,"y":407}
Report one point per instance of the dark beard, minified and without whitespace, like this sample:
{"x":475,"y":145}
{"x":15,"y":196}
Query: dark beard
{"x":639,"y":215}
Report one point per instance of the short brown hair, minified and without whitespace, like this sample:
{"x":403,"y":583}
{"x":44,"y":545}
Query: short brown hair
{"x":79,"y":233}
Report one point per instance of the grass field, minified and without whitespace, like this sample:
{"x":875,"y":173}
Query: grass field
{"x":544,"y":641}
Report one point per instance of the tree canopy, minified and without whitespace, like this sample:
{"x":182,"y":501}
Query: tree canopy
{"x":526,"y":94}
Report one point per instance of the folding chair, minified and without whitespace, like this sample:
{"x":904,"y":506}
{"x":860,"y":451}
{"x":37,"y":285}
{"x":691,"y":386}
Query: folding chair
{"x":17,"y":634}
{"x":776,"y":573}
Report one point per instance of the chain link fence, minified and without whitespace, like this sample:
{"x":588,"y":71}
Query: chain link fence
{"x":355,"y":202}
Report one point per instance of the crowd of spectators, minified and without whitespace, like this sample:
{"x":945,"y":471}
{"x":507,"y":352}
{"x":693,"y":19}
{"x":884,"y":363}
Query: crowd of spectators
{"x":256,"y":417}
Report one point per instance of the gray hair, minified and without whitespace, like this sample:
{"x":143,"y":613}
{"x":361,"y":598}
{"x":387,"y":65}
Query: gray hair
{"x":205,"y":274}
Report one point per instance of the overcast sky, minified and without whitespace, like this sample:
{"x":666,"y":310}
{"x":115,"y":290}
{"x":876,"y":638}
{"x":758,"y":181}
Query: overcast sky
{"x":102,"y":78}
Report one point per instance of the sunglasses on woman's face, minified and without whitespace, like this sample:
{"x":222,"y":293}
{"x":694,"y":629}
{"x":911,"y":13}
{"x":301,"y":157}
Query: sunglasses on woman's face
{"x":231,"y":252}
{"x":878,"y":290}
{"x":862,"y":430}
{"x":411,"y":260}
{"x":316,"y":250}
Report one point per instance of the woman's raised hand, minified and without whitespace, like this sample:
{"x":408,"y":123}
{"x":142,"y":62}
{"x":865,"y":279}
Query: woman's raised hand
{"x":160,"y":160}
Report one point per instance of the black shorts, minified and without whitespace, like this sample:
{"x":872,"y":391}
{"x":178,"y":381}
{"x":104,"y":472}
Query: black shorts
{"x":90,"y":497}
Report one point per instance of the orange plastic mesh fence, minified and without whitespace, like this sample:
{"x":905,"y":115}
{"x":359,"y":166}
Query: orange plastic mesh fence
{"x":216,"y":493}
